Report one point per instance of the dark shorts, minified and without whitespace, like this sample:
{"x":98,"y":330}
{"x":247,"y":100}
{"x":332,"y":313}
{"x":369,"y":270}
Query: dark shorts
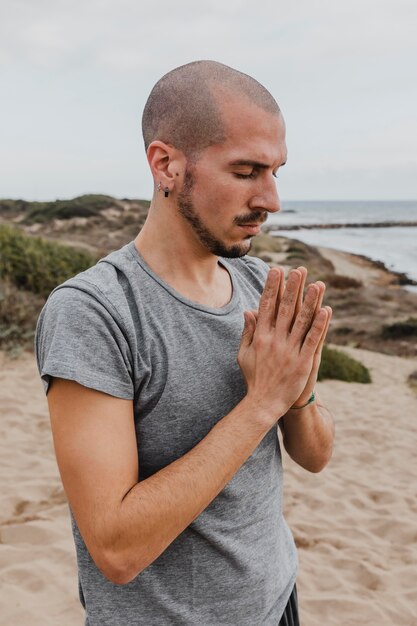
{"x":290,"y":616}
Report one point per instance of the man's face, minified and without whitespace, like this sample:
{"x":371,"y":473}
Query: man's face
{"x":230,"y":190}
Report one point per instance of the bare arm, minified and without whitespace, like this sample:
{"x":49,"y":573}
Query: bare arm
{"x":308,"y":436}
{"x":127,"y":524}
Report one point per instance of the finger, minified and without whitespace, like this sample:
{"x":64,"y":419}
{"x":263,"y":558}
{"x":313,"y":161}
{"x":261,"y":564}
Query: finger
{"x":288,"y":302}
{"x":280,"y":292}
{"x":299,"y":304}
{"x":281,"y":289}
{"x":303,"y":271}
{"x":266,"y":314}
{"x":248,"y":329}
{"x":317,"y":355}
{"x":313,"y":337}
{"x":322,"y":288}
{"x":326,"y":328}
{"x":306,"y":315}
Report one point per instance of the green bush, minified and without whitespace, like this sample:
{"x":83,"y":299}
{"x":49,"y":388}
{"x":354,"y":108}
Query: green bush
{"x":265,"y":243}
{"x":81,"y":206}
{"x":38,"y":265}
{"x":296,"y":247}
{"x":398,"y":330}
{"x":297,"y":250}
{"x":13,"y":207}
{"x":338,"y":365}
{"x":19,"y":310}
{"x":296,"y":255}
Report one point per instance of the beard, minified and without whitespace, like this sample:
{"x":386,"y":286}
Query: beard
{"x":205,"y":236}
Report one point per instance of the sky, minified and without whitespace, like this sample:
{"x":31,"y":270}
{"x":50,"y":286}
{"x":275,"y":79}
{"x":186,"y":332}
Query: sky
{"x":75,"y":76}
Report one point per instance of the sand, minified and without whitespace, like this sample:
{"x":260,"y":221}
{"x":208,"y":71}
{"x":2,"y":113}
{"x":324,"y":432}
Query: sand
{"x":38,"y":582}
{"x":354,"y":523}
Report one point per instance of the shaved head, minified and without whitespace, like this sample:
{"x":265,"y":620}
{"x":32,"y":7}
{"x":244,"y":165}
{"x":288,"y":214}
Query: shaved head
{"x":184,"y":107}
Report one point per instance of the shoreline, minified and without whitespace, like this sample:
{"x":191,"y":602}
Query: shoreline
{"x":398,"y":277}
{"x":392,"y":276}
{"x":395,"y":278}
{"x":389,"y":224}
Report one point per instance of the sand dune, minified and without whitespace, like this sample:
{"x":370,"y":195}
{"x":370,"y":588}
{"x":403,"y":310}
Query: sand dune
{"x":354,"y":523}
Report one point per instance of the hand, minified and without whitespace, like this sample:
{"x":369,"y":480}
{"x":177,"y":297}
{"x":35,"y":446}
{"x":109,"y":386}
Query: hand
{"x":311,"y":382}
{"x":278,"y":346}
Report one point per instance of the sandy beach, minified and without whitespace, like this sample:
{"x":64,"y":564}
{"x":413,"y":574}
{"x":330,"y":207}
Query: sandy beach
{"x":354,"y":523}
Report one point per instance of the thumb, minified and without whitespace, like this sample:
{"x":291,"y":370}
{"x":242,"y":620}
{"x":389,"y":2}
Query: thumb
{"x":248,"y":329}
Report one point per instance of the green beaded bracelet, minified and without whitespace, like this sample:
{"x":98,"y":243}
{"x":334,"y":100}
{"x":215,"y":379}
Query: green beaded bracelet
{"x":309,"y":401}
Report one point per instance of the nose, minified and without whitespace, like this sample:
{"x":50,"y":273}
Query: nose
{"x":266,"y":197}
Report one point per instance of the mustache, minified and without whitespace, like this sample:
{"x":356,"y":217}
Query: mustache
{"x":258,"y":218}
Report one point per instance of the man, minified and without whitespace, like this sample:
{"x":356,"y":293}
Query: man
{"x":167,"y":372}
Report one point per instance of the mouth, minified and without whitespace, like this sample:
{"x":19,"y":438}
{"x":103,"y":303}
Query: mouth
{"x":252,"y":229}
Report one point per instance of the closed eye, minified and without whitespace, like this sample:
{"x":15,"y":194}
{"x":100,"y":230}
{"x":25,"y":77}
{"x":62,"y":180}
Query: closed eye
{"x":251,"y":175}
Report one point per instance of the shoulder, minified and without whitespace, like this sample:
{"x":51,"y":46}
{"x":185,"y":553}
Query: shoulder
{"x":84,"y":334}
{"x":103,"y":284}
{"x":250,"y":268}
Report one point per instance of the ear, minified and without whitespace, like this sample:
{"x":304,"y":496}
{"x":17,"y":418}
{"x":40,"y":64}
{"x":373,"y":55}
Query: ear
{"x":166,"y":163}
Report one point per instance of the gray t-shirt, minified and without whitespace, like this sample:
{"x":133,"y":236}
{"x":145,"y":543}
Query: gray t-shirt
{"x":120,"y":329}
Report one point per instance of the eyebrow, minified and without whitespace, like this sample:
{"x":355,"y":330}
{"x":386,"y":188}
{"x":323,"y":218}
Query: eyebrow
{"x":250,"y":163}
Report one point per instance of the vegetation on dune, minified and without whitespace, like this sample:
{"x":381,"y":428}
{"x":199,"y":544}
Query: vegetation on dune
{"x":81,"y":206}
{"x":9,"y":208}
{"x":265,"y":243}
{"x":297,"y":251}
{"x":145,"y":203}
{"x":400,"y":330}
{"x":338,"y":365}
{"x":88,"y":205}
{"x":35,"y":264}
{"x":19,"y":310}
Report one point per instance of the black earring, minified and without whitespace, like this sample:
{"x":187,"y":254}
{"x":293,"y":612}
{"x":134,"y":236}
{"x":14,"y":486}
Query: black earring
{"x":166,"y":192}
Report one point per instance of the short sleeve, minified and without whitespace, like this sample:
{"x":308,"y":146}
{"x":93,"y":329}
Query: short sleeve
{"x":79,"y":337}
{"x":257,"y":271}
{"x":258,"y":267}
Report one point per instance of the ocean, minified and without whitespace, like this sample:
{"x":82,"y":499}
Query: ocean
{"x":395,"y":246}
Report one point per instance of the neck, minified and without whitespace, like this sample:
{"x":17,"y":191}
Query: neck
{"x":169,"y":246}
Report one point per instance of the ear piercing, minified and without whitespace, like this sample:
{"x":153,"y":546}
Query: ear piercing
{"x":166,"y":190}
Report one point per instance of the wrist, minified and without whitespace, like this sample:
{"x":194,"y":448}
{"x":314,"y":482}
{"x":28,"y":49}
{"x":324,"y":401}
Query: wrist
{"x":302,"y":403}
{"x":262,"y":412}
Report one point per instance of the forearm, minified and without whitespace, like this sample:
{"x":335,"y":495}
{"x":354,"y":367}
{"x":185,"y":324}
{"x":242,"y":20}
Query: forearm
{"x":156,"y":510}
{"x":308,"y":436}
